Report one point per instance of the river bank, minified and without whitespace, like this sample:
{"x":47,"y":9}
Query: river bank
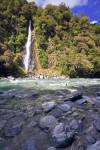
{"x":49,"y":115}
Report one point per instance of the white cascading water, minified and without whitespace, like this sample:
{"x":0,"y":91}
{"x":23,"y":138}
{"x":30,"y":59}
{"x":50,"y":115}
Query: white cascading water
{"x":26,"y":60}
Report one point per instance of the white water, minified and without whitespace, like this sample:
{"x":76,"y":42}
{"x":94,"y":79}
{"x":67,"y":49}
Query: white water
{"x":26,"y":61}
{"x":44,"y":84}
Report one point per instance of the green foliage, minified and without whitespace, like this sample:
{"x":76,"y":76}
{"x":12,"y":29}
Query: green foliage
{"x":43,"y":58}
{"x":64,"y":42}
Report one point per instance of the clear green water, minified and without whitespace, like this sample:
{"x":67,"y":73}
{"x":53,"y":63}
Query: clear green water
{"x":43,"y":84}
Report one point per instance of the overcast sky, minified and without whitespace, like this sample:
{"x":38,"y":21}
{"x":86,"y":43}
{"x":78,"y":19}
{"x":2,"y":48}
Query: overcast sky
{"x":91,"y":8}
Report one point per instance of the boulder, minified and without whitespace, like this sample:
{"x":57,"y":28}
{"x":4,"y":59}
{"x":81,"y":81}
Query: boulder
{"x":73,"y":97}
{"x":64,"y":107}
{"x":56,"y":112}
{"x":14,"y":126}
{"x":48,"y":122}
{"x":61,"y":138}
{"x":81,"y":101}
{"x":75,"y":125}
{"x":95,"y":146}
{"x":47,"y":106}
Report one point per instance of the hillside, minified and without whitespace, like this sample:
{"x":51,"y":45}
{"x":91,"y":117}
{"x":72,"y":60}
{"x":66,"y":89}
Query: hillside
{"x":64,"y":43}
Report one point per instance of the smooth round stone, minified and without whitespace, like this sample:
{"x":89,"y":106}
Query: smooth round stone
{"x":61,"y":139}
{"x":47,"y":106}
{"x":56,"y":112}
{"x":48,"y":122}
{"x":58,"y":129}
{"x":75,"y":125}
{"x":64,"y":107}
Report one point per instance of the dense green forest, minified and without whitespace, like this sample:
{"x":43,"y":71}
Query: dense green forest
{"x":65,"y":42}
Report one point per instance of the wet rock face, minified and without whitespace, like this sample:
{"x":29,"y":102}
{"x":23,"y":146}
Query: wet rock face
{"x":48,"y":122}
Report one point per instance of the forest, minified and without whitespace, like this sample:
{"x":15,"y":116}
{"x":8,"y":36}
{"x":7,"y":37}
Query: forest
{"x":65,"y":42}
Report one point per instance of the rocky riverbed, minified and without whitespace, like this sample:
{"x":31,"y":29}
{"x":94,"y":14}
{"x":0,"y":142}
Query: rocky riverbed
{"x":50,"y":120}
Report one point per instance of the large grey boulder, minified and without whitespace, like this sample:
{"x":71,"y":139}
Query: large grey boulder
{"x":64,"y":107}
{"x":61,"y":138}
{"x":47,"y":106}
{"x":73,"y":97}
{"x":48,"y":122}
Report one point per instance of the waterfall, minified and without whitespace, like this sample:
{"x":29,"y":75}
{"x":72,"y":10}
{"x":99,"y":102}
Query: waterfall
{"x":27,"y":57}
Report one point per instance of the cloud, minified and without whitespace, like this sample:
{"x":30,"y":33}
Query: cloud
{"x":94,"y":22}
{"x":69,"y":3}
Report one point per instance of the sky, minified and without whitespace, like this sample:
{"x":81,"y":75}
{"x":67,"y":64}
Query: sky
{"x":90,"y":8}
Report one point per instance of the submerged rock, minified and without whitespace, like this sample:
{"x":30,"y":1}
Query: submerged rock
{"x":48,"y":122}
{"x":47,"y":106}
